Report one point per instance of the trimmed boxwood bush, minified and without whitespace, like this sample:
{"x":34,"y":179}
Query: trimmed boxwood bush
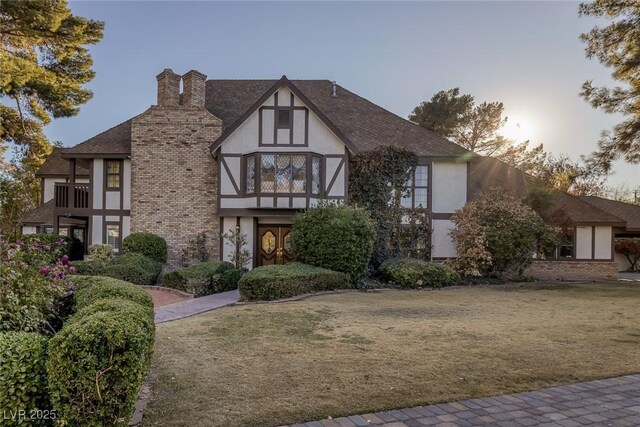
{"x":205,"y":278}
{"x":23,"y":381}
{"x":138,"y":260}
{"x":100,"y":252}
{"x":130,"y":273}
{"x":147,"y":244}
{"x":88,"y":268}
{"x":336,"y":237}
{"x":92,"y":288}
{"x":96,"y":366}
{"x":409,"y":273}
{"x":283,"y":281}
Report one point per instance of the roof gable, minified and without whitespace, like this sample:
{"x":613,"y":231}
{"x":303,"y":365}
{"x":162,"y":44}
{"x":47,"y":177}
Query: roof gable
{"x":217,"y":108}
{"x":359,"y":123}
{"x":113,"y":141}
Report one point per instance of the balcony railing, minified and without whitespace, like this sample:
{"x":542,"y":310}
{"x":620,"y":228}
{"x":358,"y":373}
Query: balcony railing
{"x":80,"y":196}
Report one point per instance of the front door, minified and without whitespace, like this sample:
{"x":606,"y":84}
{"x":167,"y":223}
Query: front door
{"x":78,"y":243}
{"x":274,"y":243}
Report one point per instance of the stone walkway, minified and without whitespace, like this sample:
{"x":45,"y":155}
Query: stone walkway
{"x":610,"y":402}
{"x":195,"y":306}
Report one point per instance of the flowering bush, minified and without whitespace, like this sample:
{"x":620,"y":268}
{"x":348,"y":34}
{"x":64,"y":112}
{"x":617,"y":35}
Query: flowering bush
{"x":497,"y":233}
{"x":43,"y":248}
{"x":32,"y":286}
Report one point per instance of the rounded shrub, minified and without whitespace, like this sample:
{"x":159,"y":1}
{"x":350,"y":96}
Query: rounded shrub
{"x":337,"y":237}
{"x":96,"y":367}
{"x":23,"y":380}
{"x":409,"y":273}
{"x":88,"y":268}
{"x":100,"y":252}
{"x":204,"y":278}
{"x":147,"y":244}
{"x":273,"y":282}
{"x":130,"y":273}
{"x":138,"y":260}
{"x":92,"y":288}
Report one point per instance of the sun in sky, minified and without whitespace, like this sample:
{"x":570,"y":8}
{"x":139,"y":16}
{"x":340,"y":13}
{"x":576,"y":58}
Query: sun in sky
{"x":519,"y":128}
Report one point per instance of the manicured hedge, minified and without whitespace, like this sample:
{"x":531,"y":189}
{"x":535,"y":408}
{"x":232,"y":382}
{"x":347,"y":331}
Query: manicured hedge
{"x":283,"y":281}
{"x":100,"y":252}
{"x":339,"y":238}
{"x":130,"y":267}
{"x":147,"y":244}
{"x":92,"y":288}
{"x":98,"y":360}
{"x":96,"y":367}
{"x":409,"y":273}
{"x":204,"y":279}
{"x":23,"y":381}
{"x":88,"y":268}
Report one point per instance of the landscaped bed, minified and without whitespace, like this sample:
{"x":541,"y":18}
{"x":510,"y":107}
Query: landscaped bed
{"x":333,"y":355}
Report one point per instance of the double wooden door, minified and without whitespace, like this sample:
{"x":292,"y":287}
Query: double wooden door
{"x":274,"y":243}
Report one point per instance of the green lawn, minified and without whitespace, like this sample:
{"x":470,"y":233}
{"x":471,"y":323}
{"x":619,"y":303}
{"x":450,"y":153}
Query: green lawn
{"x":333,"y":355}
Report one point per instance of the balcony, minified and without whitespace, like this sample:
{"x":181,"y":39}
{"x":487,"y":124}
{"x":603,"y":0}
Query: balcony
{"x":80,"y":199}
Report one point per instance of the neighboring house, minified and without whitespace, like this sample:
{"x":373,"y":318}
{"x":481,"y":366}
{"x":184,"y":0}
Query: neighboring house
{"x":246,"y":155}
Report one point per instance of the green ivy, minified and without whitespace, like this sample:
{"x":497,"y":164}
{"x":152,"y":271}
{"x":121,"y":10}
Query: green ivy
{"x":377,"y":181}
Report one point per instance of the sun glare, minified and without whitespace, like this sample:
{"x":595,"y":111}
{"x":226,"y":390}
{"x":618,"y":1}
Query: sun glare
{"x":519,"y":129}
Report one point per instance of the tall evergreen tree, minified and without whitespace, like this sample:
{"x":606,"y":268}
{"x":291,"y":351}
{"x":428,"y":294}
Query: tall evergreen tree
{"x":44,"y":63}
{"x":616,"y":46}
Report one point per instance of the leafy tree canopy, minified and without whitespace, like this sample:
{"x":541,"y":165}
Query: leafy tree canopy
{"x":616,"y":46}
{"x":44,"y":63}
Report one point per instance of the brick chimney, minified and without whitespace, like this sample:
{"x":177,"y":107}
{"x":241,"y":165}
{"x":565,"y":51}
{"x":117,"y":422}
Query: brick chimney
{"x":194,"y":88}
{"x":168,"y":88}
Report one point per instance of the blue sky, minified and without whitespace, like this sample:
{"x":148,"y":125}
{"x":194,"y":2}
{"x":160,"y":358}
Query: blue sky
{"x":525,"y":54}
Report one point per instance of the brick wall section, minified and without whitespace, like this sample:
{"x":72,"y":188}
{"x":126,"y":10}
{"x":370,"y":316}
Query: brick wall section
{"x":174,"y":177}
{"x":573,"y":270}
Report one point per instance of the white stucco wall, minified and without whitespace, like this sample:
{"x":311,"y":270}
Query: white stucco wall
{"x":442,"y":243}
{"x":449,"y":186}
{"x":583,"y":242}
{"x":126,"y":185}
{"x":126,"y":226}
{"x":244,"y":139}
{"x":602,"y":243}
{"x":96,"y":229}
{"x":98,"y":184}
{"x":112,"y":199}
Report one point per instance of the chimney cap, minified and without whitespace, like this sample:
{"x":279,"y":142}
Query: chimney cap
{"x":165,"y":72}
{"x":195,"y":73}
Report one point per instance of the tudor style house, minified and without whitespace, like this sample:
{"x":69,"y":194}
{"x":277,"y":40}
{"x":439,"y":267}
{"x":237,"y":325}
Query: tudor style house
{"x":220,"y":155}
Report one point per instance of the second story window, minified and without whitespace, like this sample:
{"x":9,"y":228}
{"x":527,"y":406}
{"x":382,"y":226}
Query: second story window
{"x":282,"y":173}
{"x":283,"y":118}
{"x":113,"y":174}
{"x":418,"y":189}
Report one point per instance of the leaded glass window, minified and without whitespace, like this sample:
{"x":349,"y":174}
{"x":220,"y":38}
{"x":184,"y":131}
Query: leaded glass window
{"x":299,"y":173}
{"x":315,"y":175}
{"x":250,"y":174}
{"x":268,"y":173}
{"x":283,"y":173}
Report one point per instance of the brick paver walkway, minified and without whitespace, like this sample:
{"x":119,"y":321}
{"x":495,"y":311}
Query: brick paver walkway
{"x":162,"y":298}
{"x":610,"y":402}
{"x":195,"y":306}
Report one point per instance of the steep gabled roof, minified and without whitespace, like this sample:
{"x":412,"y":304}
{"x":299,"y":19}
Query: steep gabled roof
{"x":114,"y":141}
{"x":487,"y":172}
{"x":359,"y":123}
{"x":55,"y":165}
{"x":627,"y":211}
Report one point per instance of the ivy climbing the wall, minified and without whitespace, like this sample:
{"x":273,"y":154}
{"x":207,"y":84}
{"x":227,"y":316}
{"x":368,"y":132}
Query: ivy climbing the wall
{"x":378,"y":182}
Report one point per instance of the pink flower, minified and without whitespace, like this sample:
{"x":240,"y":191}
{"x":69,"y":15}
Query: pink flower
{"x":72,"y":270}
{"x":45,"y":270}
{"x":65,"y":260}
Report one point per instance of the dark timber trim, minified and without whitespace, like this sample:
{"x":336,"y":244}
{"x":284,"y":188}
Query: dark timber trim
{"x":282,"y":82}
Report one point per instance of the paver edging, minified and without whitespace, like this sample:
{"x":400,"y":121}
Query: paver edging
{"x":169,"y":290}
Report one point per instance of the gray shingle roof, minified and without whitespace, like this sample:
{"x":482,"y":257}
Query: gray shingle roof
{"x":487,"y":172}
{"x":116,"y":140}
{"x":365,"y":124}
{"x":55,"y":165}
{"x":627,"y":211}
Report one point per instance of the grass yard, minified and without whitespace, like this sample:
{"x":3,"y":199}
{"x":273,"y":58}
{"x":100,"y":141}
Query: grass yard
{"x":334,"y":355}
